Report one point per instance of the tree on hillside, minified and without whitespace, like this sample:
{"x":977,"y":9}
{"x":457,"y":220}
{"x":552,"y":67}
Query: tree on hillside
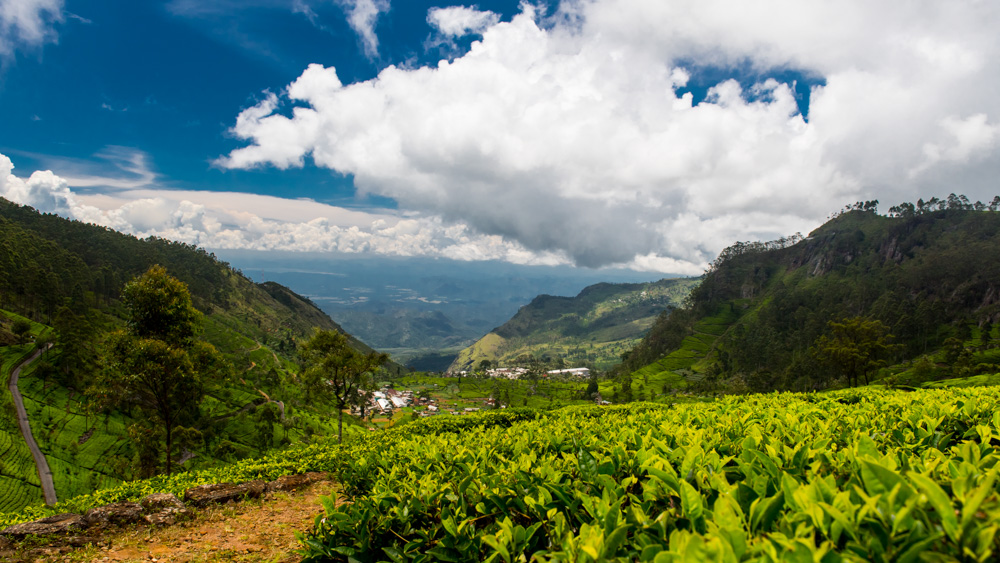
{"x":855,"y":347}
{"x":154,"y":363}
{"x":20,"y":328}
{"x":334,"y":372}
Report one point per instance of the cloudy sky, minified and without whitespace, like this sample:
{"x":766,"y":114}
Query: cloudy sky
{"x":639,"y":133}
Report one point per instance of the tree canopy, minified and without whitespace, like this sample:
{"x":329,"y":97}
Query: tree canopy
{"x":856,"y":347}
{"x":154,"y":361}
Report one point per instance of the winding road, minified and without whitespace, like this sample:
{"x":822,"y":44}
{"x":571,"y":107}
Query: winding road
{"x":44,"y":473}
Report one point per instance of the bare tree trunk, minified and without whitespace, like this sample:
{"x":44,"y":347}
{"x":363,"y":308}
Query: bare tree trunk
{"x":169,"y":448}
{"x":340,"y":424}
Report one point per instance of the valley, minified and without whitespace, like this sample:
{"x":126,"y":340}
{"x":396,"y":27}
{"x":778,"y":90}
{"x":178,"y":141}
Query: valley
{"x":716,"y":408}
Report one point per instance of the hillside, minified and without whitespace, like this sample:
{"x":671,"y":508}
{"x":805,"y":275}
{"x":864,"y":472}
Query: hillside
{"x":65,"y":279}
{"x":593,"y":328}
{"x":929,"y":275}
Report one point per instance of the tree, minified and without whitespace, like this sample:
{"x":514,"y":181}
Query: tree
{"x":855,"y":347}
{"x":334,"y":372}
{"x":21,"y":328}
{"x":154,"y":362}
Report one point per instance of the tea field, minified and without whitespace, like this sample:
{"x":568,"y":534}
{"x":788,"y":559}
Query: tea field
{"x":857,"y":475}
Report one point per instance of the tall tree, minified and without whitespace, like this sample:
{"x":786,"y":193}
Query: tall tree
{"x":856,"y":347}
{"x":335,"y":372}
{"x":154,"y":361}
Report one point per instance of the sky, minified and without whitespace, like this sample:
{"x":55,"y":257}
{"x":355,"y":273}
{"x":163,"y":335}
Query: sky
{"x":642,"y":134}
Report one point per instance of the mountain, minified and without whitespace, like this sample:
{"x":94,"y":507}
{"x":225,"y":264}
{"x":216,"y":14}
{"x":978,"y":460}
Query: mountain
{"x":593,"y":328}
{"x":930,"y":274}
{"x":434,"y":303}
{"x":61,"y":280}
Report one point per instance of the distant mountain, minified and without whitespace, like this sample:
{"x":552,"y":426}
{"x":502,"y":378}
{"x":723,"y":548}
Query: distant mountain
{"x":434,"y":303}
{"x":930,"y":273}
{"x":594,"y":328}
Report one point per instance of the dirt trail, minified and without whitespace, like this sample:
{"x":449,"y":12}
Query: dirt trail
{"x":44,"y":473}
{"x":253,"y":531}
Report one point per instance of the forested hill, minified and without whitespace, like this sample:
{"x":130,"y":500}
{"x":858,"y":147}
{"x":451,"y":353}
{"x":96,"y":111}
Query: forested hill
{"x":930,"y":274}
{"x":594,"y":328}
{"x":48,"y":262}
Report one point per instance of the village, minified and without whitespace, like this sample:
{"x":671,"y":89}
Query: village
{"x":388,"y":401}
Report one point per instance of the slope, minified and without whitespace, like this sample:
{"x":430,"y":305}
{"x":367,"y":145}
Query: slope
{"x":930,"y":276}
{"x":66,"y":277}
{"x":593,"y":328}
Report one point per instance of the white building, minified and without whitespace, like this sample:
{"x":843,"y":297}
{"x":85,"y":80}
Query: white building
{"x":582,"y":373}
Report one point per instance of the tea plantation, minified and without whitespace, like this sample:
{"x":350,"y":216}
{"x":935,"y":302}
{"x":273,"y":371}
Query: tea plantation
{"x":862,"y":475}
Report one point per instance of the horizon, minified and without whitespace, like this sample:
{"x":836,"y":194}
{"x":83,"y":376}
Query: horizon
{"x":597,"y":134}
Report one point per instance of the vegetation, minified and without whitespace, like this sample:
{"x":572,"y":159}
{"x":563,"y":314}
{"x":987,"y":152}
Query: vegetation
{"x":594,"y":328}
{"x":854,"y":477}
{"x":65,"y":279}
{"x":155,"y":363}
{"x":860,"y":475}
{"x":337,"y":373}
{"x":927,"y":274}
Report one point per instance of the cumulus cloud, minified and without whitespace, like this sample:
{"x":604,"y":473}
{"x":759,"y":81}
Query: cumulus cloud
{"x":572,"y":133}
{"x":250,"y":221}
{"x":27,"y":23}
{"x":362,"y":16}
{"x":457,"y":21}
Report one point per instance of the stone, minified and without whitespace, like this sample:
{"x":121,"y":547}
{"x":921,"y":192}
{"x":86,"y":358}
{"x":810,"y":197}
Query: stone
{"x":60,"y":524}
{"x":118,"y":514}
{"x":295,"y":482}
{"x":164,"y":509}
{"x":160,"y":501}
{"x":224,"y":492}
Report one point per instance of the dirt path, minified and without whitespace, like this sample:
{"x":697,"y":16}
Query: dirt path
{"x":253,"y":531}
{"x":44,"y":473}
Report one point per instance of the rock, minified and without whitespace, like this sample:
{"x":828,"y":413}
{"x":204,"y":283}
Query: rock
{"x":224,"y":492}
{"x":118,"y":514}
{"x":164,"y":509}
{"x":58,"y":524}
{"x":295,"y":482}
{"x":160,"y":501}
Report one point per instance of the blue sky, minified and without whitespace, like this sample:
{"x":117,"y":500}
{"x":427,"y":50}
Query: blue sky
{"x":167,"y":79}
{"x":630,"y":133}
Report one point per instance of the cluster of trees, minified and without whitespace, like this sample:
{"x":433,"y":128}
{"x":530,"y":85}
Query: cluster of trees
{"x":159,"y":367}
{"x":952,"y":202}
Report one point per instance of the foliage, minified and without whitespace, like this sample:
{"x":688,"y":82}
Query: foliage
{"x":928,"y":276}
{"x":341,"y":460}
{"x":868,"y":476}
{"x":856,"y":347}
{"x":70,"y":276}
{"x":335,"y":372}
{"x":20,"y":329}
{"x":150,"y":362}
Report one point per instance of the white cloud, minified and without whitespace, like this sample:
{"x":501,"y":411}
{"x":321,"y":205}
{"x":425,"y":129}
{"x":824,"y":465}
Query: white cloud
{"x":570,"y":135}
{"x":457,"y":21}
{"x":362,"y":16}
{"x":250,"y":221}
{"x":27,"y":23}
